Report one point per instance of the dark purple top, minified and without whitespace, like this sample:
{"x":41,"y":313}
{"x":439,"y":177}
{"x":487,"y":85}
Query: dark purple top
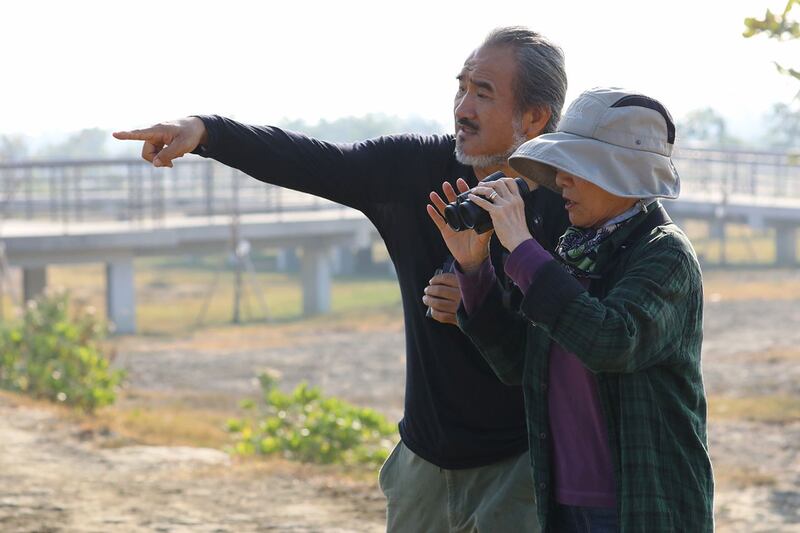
{"x":582,"y":466}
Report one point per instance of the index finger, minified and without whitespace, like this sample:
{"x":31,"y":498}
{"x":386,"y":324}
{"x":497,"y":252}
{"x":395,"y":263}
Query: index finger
{"x":144,"y":134}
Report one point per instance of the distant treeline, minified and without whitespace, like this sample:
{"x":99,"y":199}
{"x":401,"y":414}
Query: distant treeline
{"x":95,"y":143}
{"x":701,"y":127}
{"x":349,"y":129}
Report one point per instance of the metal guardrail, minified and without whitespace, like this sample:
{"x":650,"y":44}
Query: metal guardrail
{"x":762,"y":175}
{"x":132,"y":190}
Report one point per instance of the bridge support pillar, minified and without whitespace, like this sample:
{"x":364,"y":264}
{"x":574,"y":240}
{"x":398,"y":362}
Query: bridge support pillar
{"x":121,"y":294}
{"x":34,"y":281}
{"x":287,"y":260}
{"x":786,"y":245}
{"x":365,"y":264}
{"x":344,"y":261}
{"x":716,"y":231}
{"x":316,"y":275}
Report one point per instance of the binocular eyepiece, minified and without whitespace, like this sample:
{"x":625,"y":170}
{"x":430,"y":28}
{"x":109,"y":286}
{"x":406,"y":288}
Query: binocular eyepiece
{"x":463,"y":214}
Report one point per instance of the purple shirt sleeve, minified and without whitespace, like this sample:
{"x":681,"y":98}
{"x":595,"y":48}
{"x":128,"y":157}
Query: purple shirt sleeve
{"x":475,"y":285}
{"x":524,"y":263}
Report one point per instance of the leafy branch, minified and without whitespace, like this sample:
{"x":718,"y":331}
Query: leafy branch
{"x":776,"y":26}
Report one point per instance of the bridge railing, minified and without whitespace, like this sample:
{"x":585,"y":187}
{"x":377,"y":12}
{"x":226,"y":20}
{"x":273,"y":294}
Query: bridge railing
{"x":727,"y":173}
{"x":132,"y":190}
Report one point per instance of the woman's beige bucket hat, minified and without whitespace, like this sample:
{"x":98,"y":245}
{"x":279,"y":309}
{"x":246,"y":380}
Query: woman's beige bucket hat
{"x":617,"y":139}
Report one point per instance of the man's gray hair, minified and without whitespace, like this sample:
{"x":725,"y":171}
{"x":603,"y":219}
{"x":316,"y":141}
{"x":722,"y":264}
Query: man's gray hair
{"x":541,"y":79}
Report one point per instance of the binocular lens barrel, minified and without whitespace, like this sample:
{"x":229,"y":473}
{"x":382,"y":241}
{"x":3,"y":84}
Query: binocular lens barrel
{"x":453,"y":218}
{"x":463,"y":214}
{"x":468,"y":214}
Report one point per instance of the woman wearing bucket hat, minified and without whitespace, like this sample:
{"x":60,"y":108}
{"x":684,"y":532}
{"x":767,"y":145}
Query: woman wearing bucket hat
{"x":606,"y":341}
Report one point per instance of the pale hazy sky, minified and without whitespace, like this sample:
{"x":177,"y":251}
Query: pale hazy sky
{"x":65,"y":66}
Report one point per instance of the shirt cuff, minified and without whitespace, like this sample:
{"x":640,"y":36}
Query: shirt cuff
{"x":207,"y":150}
{"x":475,"y":285}
{"x":525,"y":263}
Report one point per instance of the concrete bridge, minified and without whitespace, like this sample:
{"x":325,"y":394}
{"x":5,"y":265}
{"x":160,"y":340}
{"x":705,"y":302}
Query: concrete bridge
{"x":760,"y":189}
{"x":111,"y":211}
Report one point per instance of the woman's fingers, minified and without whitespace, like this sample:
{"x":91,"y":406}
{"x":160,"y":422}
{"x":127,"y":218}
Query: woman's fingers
{"x":512,"y":186}
{"x":490,"y":193}
{"x":482,"y":202}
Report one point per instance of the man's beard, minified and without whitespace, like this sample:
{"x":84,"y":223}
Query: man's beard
{"x":493,"y":160}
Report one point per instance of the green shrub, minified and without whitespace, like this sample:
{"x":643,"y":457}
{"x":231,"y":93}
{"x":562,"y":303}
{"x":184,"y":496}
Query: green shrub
{"x":56,"y":355}
{"x":306,"y":426}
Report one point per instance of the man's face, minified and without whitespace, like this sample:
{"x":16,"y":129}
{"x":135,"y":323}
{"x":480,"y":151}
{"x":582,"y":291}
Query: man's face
{"x":486,"y":120}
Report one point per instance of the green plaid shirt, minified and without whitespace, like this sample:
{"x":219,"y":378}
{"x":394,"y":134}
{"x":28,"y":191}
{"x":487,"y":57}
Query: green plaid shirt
{"x":638,"y":329}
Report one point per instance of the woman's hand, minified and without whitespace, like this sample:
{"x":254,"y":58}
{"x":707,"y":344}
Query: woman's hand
{"x":467,"y":247}
{"x":507,"y":210}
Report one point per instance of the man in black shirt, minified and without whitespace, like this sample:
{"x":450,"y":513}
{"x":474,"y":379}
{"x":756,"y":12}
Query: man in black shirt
{"x":461,"y":465}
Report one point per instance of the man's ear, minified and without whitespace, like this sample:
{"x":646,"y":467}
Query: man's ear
{"x":534,"y":121}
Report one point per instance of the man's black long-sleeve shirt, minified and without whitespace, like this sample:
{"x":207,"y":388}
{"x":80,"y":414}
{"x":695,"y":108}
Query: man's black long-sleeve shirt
{"x":457,"y":413}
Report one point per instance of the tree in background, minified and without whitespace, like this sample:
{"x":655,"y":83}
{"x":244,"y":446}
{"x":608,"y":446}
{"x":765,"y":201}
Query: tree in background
{"x":349,"y":129}
{"x":13,"y":148}
{"x":95,"y":143}
{"x":779,"y":27}
{"x":783,"y":127}
{"x":784,"y":119}
{"x":90,"y":143}
{"x":706,"y":127}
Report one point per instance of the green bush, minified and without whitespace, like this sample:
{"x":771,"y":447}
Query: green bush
{"x":306,"y":426}
{"x":56,"y":355}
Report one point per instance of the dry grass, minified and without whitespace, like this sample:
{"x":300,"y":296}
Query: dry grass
{"x":777,"y":409}
{"x":165,"y":419}
{"x":170,"y":298}
{"x":252,"y":336}
{"x":146,"y":418}
{"x":742,"y":245}
{"x":781,"y":285}
{"x":19,"y":400}
{"x":728,"y":477}
{"x":168,"y":426}
{"x":778,"y":354}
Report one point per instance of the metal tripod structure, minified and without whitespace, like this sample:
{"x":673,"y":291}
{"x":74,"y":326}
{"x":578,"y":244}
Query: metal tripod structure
{"x":243,"y":264}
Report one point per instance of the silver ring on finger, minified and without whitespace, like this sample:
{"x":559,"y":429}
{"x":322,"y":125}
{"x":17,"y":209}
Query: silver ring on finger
{"x":492,"y":196}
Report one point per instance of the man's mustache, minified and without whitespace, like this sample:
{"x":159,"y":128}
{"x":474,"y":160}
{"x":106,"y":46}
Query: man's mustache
{"x":467,"y":123}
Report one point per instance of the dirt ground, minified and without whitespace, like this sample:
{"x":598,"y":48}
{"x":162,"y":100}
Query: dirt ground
{"x":53,"y":478}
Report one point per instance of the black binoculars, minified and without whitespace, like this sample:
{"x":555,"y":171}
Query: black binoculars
{"x":463,"y":214}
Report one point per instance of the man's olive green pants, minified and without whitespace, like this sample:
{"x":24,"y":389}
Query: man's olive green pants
{"x":423,"y":498}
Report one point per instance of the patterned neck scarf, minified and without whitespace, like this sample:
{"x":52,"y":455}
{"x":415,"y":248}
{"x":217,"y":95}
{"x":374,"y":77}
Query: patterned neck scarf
{"x":578,"y":246}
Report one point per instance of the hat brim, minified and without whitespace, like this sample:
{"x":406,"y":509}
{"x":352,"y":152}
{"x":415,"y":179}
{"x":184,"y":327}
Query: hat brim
{"x":617,"y":170}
